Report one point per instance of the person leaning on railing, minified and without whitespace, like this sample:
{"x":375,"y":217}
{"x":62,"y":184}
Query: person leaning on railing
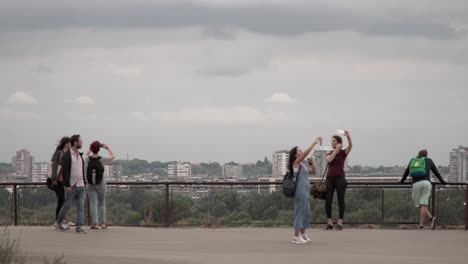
{"x":420,"y":169}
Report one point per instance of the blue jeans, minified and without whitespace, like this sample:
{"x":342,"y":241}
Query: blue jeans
{"x":97,"y":202}
{"x":77,"y":196}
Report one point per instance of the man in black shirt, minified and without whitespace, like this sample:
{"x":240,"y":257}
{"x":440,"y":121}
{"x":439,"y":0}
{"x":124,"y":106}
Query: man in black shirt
{"x":422,"y":188}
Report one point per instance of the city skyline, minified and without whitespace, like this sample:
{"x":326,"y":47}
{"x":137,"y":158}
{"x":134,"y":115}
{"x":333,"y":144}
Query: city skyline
{"x":278,"y":156}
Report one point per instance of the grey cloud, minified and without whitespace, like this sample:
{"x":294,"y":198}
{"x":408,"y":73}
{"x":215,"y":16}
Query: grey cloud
{"x":42,"y":68}
{"x":265,"y":19}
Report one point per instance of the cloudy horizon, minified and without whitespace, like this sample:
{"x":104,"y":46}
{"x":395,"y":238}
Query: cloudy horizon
{"x":235,"y":80}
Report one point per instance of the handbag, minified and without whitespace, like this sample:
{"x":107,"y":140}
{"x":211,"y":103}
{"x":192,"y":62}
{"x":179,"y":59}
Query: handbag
{"x":319,"y":189}
{"x":50,"y":169}
{"x":290,"y":183}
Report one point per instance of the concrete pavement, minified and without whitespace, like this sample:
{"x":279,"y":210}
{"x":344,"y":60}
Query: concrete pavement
{"x":244,"y":245}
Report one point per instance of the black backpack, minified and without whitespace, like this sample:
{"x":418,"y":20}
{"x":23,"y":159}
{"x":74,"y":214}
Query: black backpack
{"x":289,"y":184}
{"x":95,"y":171}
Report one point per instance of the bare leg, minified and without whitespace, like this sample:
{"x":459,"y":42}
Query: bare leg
{"x":297,"y":232}
{"x":423,"y":213}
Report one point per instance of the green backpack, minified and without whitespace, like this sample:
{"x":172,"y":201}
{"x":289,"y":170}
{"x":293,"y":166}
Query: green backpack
{"x":417,"y":167}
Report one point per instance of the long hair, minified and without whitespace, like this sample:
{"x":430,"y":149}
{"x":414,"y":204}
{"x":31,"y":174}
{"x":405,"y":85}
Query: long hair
{"x":292,"y":159}
{"x":338,"y":139}
{"x":62,"y":143}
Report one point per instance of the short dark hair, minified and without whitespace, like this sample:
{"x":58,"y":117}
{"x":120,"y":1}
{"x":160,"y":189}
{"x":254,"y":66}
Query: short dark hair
{"x":74,"y":139}
{"x":423,"y":153}
{"x":95,"y":147}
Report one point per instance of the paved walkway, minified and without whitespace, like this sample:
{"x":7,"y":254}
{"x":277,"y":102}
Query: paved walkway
{"x":242,"y":246}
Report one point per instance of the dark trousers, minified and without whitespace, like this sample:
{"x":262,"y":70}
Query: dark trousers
{"x":59,"y":190}
{"x":338,"y":184}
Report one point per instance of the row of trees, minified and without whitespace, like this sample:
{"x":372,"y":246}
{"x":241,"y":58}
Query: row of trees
{"x":145,"y":206}
{"x":137,"y":166}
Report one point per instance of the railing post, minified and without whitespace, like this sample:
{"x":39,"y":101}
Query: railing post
{"x":15,"y":205}
{"x":433,"y":209}
{"x":166,"y":207}
{"x":382,"y":206}
{"x":466,"y":207}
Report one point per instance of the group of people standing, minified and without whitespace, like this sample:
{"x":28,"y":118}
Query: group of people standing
{"x":419,"y":169}
{"x":335,"y":181}
{"x":74,"y":176}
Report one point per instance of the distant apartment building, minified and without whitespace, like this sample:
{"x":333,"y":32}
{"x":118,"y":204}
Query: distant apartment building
{"x":320,"y":160}
{"x":458,"y":168}
{"x":232,"y":171}
{"x":280,"y":163}
{"x":39,"y":173}
{"x":179,"y":169}
{"x":113,"y":171}
{"x":23,"y":164}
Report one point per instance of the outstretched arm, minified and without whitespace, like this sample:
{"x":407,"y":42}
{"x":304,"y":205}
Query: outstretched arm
{"x":405,"y":175}
{"x":350,"y":142}
{"x":436,"y":172}
{"x":306,"y":153}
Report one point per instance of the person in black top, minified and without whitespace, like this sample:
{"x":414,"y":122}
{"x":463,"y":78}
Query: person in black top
{"x":422,"y":188}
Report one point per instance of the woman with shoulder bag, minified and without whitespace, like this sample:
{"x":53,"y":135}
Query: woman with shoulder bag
{"x":336,"y":178}
{"x":55,"y":181}
{"x":302,"y":194}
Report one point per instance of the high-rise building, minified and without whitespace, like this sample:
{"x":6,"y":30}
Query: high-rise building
{"x":320,"y":160}
{"x":40,"y":171}
{"x":113,"y":171}
{"x":280,"y":163}
{"x":179,"y":169}
{"x":23,"y":164}
{"x":459,"y":165}
{"x":232,"y":171}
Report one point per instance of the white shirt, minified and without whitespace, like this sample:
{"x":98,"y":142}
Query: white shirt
{"x":76,"y":175}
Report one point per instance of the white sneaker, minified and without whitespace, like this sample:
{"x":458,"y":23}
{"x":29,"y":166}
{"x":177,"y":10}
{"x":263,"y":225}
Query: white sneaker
{"x":55,"y":225}
{"x":306,"y":237}
{"x":65,"y":227}
{"x":299,"y":240}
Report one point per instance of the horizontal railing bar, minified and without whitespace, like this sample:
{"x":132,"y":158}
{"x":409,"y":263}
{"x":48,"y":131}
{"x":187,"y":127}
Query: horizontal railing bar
{"x":383,"y":184}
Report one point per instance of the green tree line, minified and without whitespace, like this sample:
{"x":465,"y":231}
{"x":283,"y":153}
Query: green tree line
{"x":145,"y":206}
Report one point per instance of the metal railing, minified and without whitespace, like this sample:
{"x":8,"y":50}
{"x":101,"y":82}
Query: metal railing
{"x":166,"y":204}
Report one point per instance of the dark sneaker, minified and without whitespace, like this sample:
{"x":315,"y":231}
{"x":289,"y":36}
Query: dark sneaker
{"x":421,"y":228}
{"x":433,"y":223}
{"x":79,"y":230}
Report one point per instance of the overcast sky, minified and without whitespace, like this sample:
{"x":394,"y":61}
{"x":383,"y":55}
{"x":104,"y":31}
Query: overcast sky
{"x":224,"y":80}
